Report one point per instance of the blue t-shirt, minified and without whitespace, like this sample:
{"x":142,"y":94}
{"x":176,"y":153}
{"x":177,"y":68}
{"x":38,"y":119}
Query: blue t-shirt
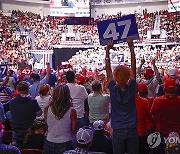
{"x":34,"y":88}
{"x":52,"y":80}
{"x":123,"y":106}
{"x":23,"y":111}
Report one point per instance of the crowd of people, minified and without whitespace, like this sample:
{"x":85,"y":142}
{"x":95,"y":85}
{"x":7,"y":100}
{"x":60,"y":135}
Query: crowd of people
{"x":23,"y":31}
{"x":89,"y":107}
{"x":78,"y":110}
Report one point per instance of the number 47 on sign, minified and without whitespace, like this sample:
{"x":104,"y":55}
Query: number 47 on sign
{"x":117,"y":29}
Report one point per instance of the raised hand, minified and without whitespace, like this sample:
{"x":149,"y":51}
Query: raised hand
{"x":109,"y":45}
{"x":130,"y":42}
{"x":153,"y":62}
{"x":142,"y":61}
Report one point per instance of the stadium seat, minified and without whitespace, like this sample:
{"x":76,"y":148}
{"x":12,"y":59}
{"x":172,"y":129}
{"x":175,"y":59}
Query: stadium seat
{"x":31,"y":151}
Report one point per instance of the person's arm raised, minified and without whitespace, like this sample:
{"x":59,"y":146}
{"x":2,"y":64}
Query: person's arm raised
{"x":48,"y":70}
{"x":133,"y":59}
{"x":140,"y":67}
{"x":108,"y":63}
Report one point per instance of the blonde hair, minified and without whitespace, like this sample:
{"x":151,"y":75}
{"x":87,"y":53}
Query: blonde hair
{"x":122,"y":74}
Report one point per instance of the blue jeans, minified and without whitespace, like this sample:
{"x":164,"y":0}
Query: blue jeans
{"x":56,"y":148}
{"x":125,"y":140}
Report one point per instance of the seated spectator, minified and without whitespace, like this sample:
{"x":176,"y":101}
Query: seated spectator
{"x":61,"y":120}
{"x":101,"y":142}
{"x":2,"y":114}
{"x":84,"y":139}
{"x":99,"y":104}
{"x":6,"y":149}
{"x":24,"y":110}
{"x":35,"y":136}
{"x":173,"y":74}
{"x":44,"y":97}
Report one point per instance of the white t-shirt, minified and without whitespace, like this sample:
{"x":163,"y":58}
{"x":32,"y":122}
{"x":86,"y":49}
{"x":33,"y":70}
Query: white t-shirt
{"x":43,"y":101}
{"x":78,"y":94}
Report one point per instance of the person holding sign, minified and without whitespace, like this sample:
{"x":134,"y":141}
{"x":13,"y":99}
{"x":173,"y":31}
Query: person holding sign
{"x":123,"y":87}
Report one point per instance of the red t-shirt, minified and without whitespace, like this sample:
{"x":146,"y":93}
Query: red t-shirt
{"x":144,"y":118}
{"x":166,"y":112}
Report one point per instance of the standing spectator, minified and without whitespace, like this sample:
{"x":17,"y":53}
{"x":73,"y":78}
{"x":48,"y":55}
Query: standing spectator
{"x":166,"y":112}
{"x":6,"y":149}
{"x":150,"y":79}
{"x":44,"y":97}
{"x":99,"y":137}
{"x":173,"y":74}
{"x":123,"y":87}
{"x":34,"y":88}
{"x":52,"y":80}
{"x":99,"y":104}
{"x":61,"y":121}
{"x":5,"y":97}
{"x":78,"y":94}
{"x":144,"y":118}
{"x":24,"y":110}
{"x":143,"y":92}
{"x":11,"y":80}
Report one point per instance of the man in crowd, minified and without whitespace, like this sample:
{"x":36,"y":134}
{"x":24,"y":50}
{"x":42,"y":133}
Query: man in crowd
{"x":150,"y":78}
{"x":166,"y":112}
{"x":6,"y":149}
{"x":34,"y":88}
{"x":24,"y":110}
{"x":173,"y":74}
{"x":11,"y":80}
{"x":78,"y":95}
{"x":52,"y":79}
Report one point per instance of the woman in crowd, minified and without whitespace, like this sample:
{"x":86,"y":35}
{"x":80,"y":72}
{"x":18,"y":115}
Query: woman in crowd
{"x":44,"y":97}
{"x":61,"y":120}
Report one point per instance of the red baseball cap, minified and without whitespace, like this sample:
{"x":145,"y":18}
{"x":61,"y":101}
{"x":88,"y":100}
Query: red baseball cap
{"x":149,"y":72}
{"x":81,"y":79}
{"x":142,"y":87}
{"x":170,"y":84}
